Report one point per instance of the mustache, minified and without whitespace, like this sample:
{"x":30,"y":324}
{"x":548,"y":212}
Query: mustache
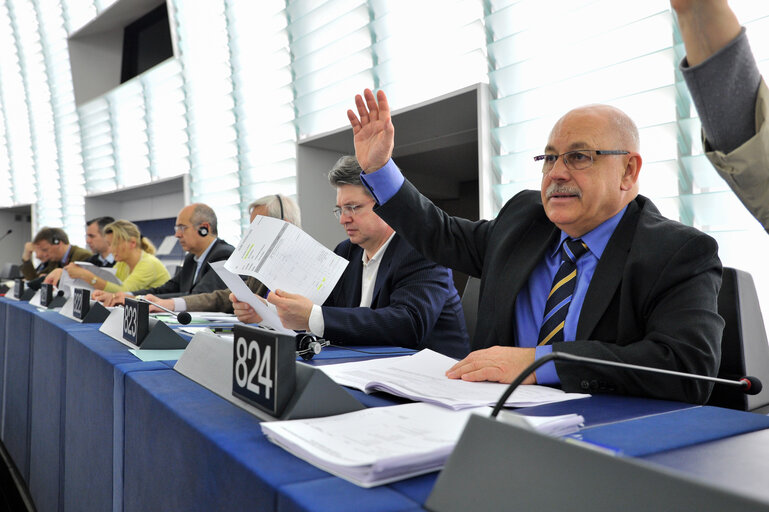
{"x":558,"y":188}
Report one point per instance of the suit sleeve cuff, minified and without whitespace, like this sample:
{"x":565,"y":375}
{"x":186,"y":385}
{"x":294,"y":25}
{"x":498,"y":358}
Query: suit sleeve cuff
{"x":546,"y":374}
{"x":383,"y":183}
{"x":316,"y":323}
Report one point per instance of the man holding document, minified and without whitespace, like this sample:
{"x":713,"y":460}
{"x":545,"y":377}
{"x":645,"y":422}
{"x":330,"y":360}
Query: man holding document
{"x":388,"y":294}
{"x":586,"y":266}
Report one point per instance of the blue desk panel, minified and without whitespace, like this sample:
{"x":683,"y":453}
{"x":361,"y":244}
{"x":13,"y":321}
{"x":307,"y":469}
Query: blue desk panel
{"x":18,"y":344}
{"x":96,"y":366}
{"x":46,"y":405}
{"x":188,"y":449}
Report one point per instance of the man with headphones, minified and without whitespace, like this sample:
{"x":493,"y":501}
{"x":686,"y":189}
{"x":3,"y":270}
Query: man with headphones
{"x":196,"y":230}
{"x":52,"y":247}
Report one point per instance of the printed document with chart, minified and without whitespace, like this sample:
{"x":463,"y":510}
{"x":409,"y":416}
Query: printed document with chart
{"x":283,"y":257}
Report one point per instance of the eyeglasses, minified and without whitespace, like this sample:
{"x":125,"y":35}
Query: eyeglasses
{"x":181,"y":228}
{"x":347,"y":209}
{"x":576,"y":160}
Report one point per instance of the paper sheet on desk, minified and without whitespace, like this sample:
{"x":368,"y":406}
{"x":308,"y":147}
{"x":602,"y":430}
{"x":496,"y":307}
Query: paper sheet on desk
{"x":266,"y":310}
{"x":422,"y":377}
{"x":67,"y":283}
{"x":283,"y":257}
{"x":375,"y":446}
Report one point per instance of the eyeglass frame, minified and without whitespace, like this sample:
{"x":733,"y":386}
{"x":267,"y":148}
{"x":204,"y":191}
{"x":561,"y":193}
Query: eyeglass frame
{"x":570,"y":166}
{"x":182,"y":227}
{"x":347,"y":209}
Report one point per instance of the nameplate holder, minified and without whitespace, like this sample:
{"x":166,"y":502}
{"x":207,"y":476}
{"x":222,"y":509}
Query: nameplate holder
{"x":209,"y":360}
{"x":93,"y":313}
{"x":506,"y":467}
{"x":127,"y":326}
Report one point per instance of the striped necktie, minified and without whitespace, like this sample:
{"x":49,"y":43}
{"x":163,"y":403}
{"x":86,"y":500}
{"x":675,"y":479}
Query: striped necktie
{"x":558,"y":300}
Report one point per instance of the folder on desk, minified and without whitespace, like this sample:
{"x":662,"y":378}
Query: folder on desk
{"x":671,"y":430}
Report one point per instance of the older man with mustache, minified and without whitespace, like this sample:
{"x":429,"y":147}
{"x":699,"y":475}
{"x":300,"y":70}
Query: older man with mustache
{"x":585,"y":266}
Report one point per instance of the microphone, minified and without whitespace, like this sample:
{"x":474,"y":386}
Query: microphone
{"x":6,"y":234}
{"x":184,"y":318}
{"x":750,"y":385}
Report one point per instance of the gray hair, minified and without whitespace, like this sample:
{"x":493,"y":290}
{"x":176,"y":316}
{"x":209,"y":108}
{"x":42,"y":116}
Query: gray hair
{"x":275,"y":203}
{"x":346,"y":171}
{"x":202,"y":213}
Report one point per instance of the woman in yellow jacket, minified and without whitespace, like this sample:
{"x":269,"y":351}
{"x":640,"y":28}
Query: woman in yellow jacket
{"x":136,"y":266}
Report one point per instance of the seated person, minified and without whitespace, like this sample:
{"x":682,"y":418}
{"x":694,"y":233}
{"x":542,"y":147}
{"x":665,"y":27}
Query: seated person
{"x":637,"y":288}
{"x":196,"y":230}
{"x":273,"y":205}
{"x":94,"y":238}
{"x":53,"y":247}
{"x":389,"y":294}
{"x":731,"y":98}
{"x":97,"y":242}
{"x":136,"y":266}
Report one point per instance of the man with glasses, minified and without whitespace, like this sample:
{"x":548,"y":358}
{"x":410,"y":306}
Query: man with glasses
{"x":196,"y":230}
{"x":389,"y":294}
{"x":585,"y":266}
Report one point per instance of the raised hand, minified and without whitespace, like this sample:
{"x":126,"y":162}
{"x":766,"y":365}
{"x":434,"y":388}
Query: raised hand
{"x":374,"y":133}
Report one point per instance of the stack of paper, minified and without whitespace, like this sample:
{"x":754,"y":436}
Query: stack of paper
{"x":422,"y":377}
{"x":557,"y":426}
{"x":382,"y":444}
{"x":374,"y":446}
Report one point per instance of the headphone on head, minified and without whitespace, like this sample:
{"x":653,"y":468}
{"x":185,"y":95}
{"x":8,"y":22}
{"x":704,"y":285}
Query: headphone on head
{"x":203,"y":231}
{"x":307,"y":345}
{"x":280,"y":202}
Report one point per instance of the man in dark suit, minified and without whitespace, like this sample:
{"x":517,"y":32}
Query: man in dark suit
{"x":196,"y":230}
{"x":54,"y":248}
{"x":389,"y":294}
{"x":643,"y":289}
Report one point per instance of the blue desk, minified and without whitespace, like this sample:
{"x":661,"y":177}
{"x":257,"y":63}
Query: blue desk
{"x":93,"y":428}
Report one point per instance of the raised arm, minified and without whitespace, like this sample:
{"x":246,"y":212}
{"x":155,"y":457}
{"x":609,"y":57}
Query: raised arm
{"x":706,"y":27}
{"x":374,"y":133}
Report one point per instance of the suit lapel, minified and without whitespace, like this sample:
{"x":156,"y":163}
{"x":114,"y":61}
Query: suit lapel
{"x":353,"y":276}
{"x":520,"y":264}
{"x":608,"y":273}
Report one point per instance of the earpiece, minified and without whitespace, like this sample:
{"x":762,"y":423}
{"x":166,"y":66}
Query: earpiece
{"x":55,"y":240}
{"x":203,"y":231}
{"x":307,"y":345}
{"x":280,"y":202}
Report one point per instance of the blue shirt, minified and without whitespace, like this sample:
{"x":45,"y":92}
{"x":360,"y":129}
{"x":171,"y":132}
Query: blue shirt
{"x":530,"y":303}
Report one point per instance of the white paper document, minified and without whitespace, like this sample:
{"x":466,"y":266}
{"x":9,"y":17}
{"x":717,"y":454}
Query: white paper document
{"x":375,"y":446}
{"x":283,"y":257}
{"x":422,"y":377}
{"x":266,"y":310}
{"x":552,"y":425}
{"x":67,"y":284}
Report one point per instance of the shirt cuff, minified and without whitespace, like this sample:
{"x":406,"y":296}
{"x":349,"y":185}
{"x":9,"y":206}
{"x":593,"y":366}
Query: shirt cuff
{"x":546,"y":374}
{"x":179,"y":304}
{"x":385,"y":182}
{"x":316,"y":323}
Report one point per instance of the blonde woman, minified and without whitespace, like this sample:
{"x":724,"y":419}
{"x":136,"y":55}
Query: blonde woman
{"x":136,"y":266}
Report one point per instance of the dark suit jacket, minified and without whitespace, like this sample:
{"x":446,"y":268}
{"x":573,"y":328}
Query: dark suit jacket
{"x":75,"y":254}
{"x":414,"y":304}
{"x":182,"y":283}
{"x":652,"y":300}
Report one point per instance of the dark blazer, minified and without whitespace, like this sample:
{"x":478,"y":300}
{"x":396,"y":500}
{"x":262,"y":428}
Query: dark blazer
{"x":182,"y":283}
{"x":415,"y":303}
{"x":652,"y":300}
{"x":75,"y":254}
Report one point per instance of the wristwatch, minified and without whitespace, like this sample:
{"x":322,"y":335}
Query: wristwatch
{"x":93,"y":281}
